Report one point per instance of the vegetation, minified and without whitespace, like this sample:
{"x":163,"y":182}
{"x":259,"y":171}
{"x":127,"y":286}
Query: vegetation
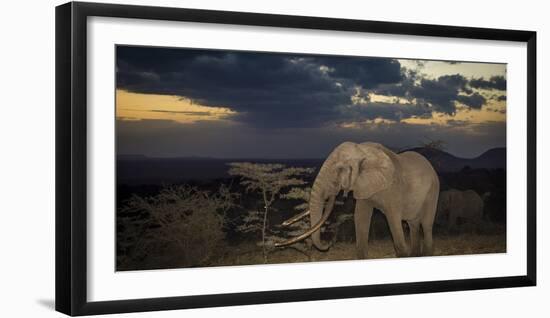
{"x":436,"y":144}
{"x":269,"y":180}
{"x":181,"y":218}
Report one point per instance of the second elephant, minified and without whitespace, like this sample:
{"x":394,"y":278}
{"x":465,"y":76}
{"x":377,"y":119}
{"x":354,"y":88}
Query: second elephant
{"x":455,"y":204}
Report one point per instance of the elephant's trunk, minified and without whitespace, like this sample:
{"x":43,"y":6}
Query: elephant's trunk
{"x":319,"y":213}
{"x":318,"y":210}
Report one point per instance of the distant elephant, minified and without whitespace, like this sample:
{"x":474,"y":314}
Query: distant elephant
{"x":404,"y":186}
{"x":454,"y":204}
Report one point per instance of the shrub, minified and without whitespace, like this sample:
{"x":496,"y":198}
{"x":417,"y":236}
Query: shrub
{"x":182,"y":218}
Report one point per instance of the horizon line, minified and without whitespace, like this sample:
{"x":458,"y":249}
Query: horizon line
{"x":280,"y":158}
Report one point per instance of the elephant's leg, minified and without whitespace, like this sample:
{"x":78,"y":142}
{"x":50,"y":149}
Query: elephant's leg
{"x":414,"y":231}
{"x":427,"y":247}
{"x":429,"y":207}
{"x":396,"y":228}
{"x":363,"y":216}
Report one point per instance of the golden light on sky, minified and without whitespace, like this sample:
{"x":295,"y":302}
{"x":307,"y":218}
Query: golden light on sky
{"x":493,"y":112}
{"x":137,"y":106}
{"x":375,"y":98}
{"x":434,"y":69}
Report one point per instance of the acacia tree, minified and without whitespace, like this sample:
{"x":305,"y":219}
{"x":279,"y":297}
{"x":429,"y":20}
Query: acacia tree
{"x":436,"y":144}
{"x":296,"y":228}
{"x":268,"y":180}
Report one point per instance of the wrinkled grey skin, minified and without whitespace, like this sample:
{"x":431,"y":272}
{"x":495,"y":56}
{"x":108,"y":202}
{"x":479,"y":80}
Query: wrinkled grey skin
{"x":454,"y":204}
{"x":405,"y":187}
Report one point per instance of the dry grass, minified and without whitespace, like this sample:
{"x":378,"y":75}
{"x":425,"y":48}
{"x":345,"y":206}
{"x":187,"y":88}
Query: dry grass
{"x":251,"y":254}
{"x":246,"y":254}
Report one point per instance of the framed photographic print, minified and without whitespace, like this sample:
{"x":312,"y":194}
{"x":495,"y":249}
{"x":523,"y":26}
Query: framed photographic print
{"x":227,"y":158}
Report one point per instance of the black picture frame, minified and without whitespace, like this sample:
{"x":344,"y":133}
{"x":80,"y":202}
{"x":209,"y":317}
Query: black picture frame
{"x":71,"y":157}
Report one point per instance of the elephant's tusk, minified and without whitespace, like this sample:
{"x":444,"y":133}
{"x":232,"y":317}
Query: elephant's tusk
{"x":295,"y":218}
{"x":306,"y":234}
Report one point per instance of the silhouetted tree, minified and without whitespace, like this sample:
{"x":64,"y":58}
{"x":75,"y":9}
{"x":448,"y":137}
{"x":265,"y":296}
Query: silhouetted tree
{"x":436,"y":144}
{"x":268,"y":180}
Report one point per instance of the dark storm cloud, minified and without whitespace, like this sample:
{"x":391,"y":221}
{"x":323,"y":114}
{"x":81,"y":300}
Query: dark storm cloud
{"x":293,"y":90}
{"x":495,"y":82}
{"x":441,"y":93}
{"x":264,"y":89}
{"x":366,"y":72}
{"x":473,"y":101}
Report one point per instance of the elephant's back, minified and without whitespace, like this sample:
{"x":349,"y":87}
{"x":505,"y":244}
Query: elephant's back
{"x":417,"y":172}
{"x":474,"y":198}
{"x":414,"y":162}
{"x":473,"y":204}
{"x":420,"y":182}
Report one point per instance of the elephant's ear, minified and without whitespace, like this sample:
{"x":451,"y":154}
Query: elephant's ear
{"x":376,"y":173}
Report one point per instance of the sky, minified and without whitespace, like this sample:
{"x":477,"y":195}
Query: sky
{"x":179,"y":102}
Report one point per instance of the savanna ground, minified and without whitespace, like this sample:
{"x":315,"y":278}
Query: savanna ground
{"x":249,"y":253}
{"x":455,"y":245}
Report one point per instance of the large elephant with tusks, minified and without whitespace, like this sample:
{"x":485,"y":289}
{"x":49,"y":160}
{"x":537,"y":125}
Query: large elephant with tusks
{"x":404,"y":186}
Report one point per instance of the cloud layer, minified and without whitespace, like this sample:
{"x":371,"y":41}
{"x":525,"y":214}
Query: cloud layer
{"x":291,"y":90}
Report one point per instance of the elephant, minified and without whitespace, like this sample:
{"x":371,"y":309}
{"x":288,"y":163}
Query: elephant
{"x":454,"y":204}
{"x":404,"y":186}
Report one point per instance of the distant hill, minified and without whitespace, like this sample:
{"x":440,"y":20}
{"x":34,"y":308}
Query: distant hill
{"x":150,"y":170}
{"x":140,"y":169}
{"x":445,"y":162}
